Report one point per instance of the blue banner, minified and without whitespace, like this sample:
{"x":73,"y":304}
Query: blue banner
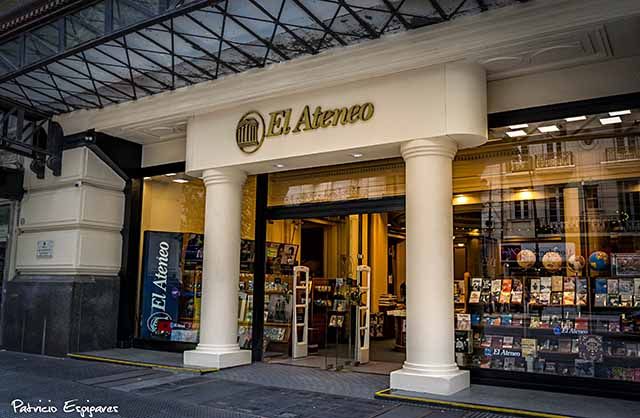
{"x":161,"y":286}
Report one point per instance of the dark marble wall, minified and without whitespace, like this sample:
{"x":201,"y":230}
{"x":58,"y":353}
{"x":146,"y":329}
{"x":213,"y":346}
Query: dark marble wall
{"x":56,"y":315}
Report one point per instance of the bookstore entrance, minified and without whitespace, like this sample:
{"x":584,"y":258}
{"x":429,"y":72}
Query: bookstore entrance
{"x":335,"y":289}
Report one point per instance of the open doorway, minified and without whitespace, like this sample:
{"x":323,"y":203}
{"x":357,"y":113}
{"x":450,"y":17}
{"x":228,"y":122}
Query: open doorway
{"x":355,"y":310}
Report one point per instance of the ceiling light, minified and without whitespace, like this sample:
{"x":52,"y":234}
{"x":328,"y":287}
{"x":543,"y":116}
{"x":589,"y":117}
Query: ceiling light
{"x":546,"y":129}
{"x":357,"y":155}
{"x":278,"y":165}
{"x":170,"y":174}
{"x":609,"y":121}
{"x":620,"y":113}
{"x":181,"y":181}
{"x":576,"y":118}
{"x":514,"y":134}
{"x":147,"y":178}
{"x":460,"y":244}
{"x":520,"y":126}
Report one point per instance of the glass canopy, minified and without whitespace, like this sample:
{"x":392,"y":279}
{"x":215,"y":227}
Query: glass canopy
{"x":112,"y":51}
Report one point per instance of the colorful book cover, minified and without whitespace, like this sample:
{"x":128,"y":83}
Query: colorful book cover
{"x":535,"y":286}
{"x":496,"y":285}
{"x":475,"y":319}
{"x":505,"y":297}
{"x":486,"y":285}
{"x":545,"y":284}
{"x":600,"y":300}
{"x":474,"y":296}
{"x":581,"y":285}
{"x":568,"y":298}
{"x":569,"y":283}
{"x":601,"y":286}
{"x":612,"y":286}
{"x":476,"y":284}
{"x":506,"y":319}
{"x":463,"y":322}
{"x":582,"y":299}
{"x":613,"y":300}
{"x":516,"y":297}
{"x":534,"y":299}
{"x":556,"y":283}
{"x":529,"y":347}
{"x":582,"y":324}
{"x":626,"y":301}
{"x":507,"y":342}
{"x":534,"y":322}
{"x":556,"y":298}
{"x":636,"y":286}
{"x":506,"y":285}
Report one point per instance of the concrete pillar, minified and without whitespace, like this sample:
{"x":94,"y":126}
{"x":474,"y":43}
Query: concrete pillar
{"x":218,"y":345}
{"x":430,"y":365}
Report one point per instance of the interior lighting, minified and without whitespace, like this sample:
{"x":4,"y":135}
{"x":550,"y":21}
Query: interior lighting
{"x":278,"y":165}
{"x":170,"y":174}
{"x":547,"y":129}
{"x":181,"y":181}
{"x":515,"y":134}
{"x":357,"y":155}
{"x":576,"y":118}
{"x":610,"y":121}
{"x":620,"y":113}
{"x":520,"y":126}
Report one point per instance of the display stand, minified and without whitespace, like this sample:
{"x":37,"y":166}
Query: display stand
{"x":300,"y":347}
{"x":363,"y":315}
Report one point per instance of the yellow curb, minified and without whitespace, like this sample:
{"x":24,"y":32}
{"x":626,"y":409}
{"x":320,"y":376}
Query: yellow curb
{"x":139,"y":364}
{"x":386,"y":393}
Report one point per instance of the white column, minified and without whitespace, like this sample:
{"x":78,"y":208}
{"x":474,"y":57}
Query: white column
{"x":430,"y":365}
{"x":218,"y":345}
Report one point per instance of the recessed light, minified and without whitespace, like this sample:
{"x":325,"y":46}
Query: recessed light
{"x":460,"y":244}
{"x":357,"y":155}
{"x":278,"y":165}
{"x":515,"y":134}
{"x":520,"y":126}
{"x":181,"y":181}
{"x":620,"y":113}
{"x":576,"y":118}
{"x":546,"y":129}
{"x":609,"y":121}
{"x":170,"y":174}
{"x":147,"y":178}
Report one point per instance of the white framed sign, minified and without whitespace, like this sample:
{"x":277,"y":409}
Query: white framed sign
{"x":44,"y":249}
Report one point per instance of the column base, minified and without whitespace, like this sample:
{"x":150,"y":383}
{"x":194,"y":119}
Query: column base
{"x":439,"y":384}
{"x":216,"y":359}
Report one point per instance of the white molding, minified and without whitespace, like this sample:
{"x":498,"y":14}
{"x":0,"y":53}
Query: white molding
{"x":517,"y":25}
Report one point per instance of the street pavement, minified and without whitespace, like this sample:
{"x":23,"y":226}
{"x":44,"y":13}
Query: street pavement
{"x":38,"y":386}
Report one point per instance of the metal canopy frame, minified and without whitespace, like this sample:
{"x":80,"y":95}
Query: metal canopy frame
{"x":112,"y":51}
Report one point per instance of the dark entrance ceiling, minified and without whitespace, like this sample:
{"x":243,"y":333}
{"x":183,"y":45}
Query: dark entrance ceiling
{"x":110,"y":51}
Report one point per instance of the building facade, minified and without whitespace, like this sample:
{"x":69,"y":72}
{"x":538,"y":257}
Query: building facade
{"x":481,"y":174}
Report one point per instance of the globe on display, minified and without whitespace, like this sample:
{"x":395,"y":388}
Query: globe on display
{"x":599,"y":260}
{"x":552,"y":261}
{"x":576,"y":262}
{"x":526,"y":259}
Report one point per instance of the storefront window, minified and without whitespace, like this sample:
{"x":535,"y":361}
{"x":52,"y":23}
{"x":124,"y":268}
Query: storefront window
{"x":547,"y":248}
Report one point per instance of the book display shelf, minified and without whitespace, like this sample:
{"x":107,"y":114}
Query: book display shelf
{"x":582,"y":320}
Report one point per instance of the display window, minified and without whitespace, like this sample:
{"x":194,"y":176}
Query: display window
{"x":547,"y":248}
{"x":172,"y":245}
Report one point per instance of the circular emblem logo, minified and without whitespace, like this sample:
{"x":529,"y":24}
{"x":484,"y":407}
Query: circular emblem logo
{"x":250,"y":132}
{"x":155,"y":320}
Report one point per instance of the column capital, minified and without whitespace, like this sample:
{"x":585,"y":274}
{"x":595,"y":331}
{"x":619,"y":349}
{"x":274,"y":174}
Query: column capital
{"x":223,"y":175}
{"x":442,"y":146}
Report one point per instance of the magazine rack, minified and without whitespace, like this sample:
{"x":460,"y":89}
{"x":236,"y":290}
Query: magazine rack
{"x":300,"y":312}
{"x":363,"y":315}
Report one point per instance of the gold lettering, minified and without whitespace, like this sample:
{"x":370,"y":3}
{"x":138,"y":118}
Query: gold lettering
{"x":275,"y":123}
{"x":316,"y":117}
{"x":287,"y":120}
{"x":340,"y":115}
{"x":305,"y":119}
{"x":354,"y":114}
{"x":325,"y":119}
{"x":366,"y":112}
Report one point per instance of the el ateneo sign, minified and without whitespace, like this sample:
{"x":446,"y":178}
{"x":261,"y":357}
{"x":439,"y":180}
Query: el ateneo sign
{"x":252,"y":129}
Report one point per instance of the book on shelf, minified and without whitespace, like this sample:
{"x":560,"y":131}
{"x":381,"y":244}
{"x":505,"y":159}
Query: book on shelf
{"x":545,"y":297}
{"x":516,"y":297}
{"x":601,"y":286}
{"x":582,"y":324}
{"x":564,"y":345}
{"x":534,"y":321}
{"x":529,"y":347}
{"x":462,"y":344}
{"x":600,"y":300}
{"x":474,"y":296}
{"x":505,"y":297}
{"x":584,"y":368}
{"x":509,"y":363}
{"x":581,"y":285}
{"x":625,"y":287}
{"x":569,"y":284}
{"x":534,"y":298}
{"x":535,"y":286}
{"x":626,"y":301}
{"x":506,"y":285}
{"x":507,"y":342}
{"x":556,"y":298}
{"x":612,"y":286}
{"x":517,"y":285}
{"x":582,"y":299}
{"x":496,"y":285}
{"x":476,"y":284}
{"x":613,"y":300}
{"x":636,"y":286}
{"x":545,"y":284}
{"x":556,"y":283}
{"x":475,"y":319}
{"x":486,"y":285}
{"x":496,"y":342}
{"x":485,"y":297}
{"x":568,"y":298}
{"x":463,"y":322}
